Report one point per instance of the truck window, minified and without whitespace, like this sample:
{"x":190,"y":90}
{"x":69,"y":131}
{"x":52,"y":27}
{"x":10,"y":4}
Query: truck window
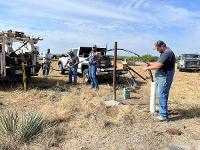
{"x":102,"y":50}
{"x":190,"y":56}
{"x":84,"y":51}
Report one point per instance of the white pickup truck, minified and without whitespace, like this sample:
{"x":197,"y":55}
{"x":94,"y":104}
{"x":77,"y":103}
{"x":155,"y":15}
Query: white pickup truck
{"x":83,"y":53}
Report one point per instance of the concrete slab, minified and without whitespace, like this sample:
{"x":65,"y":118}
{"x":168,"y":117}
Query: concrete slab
{"x":111,"y":103}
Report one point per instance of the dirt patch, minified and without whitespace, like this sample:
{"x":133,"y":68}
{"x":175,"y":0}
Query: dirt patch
{"x":112,"y":111}
{"x":173,"y":131}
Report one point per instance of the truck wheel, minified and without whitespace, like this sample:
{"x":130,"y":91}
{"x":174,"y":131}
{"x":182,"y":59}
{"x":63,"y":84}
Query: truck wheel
{"x":62,"y":71}
{"x":110,"y":77}
{"x":86,"y":78}
{"x":180,"y":70}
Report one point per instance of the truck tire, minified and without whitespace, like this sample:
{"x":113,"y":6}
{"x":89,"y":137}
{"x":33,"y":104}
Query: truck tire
{"x":110,"y":78}
{"x":180,"y":70}
{"x":86,"y":78}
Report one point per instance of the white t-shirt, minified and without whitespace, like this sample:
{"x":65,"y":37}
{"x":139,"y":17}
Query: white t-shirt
{"x":48,"y":57}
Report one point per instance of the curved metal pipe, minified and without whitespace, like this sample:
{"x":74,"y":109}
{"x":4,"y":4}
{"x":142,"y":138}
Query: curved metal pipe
{"x":150,"y":73}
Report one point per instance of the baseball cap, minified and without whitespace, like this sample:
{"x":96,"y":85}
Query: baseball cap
{"x":159,"y":43}
{"x":70,"y":52}
{"x":95,"y":46}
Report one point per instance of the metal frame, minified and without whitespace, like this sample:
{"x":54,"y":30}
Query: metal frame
{"x":11,"y":37}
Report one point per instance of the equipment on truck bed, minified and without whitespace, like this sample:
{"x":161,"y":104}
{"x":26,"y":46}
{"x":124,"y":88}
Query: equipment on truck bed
{"x":17,"y":48}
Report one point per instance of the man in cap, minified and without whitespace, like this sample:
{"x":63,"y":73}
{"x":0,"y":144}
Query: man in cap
{"x":47,"y":62}
{"x":72,"y":62}
{"x":165,"y":67}
{"x":93,"y":58}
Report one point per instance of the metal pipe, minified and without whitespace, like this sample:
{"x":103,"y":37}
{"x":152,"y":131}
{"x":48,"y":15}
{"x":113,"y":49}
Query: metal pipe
{"x":150,"y":73}
{"x":114,"y":72}
{"x":25,"y":43}
{"x":3,"y":56}
{"x":129,"y":68}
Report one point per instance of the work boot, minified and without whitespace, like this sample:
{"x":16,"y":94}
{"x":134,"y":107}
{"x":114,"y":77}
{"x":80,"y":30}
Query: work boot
{"x":160,"y":118}
{"x":97,"y":89}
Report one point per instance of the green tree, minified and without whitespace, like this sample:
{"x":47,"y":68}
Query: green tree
{"x":150,"y":58}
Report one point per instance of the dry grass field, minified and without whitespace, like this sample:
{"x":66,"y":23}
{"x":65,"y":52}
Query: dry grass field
{"x":78,"y":119}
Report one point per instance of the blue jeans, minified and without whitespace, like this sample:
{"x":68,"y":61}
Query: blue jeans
{"x":73,"y":73}
{"x":46,"y":68}
{"x":163,"y":84}
{"x":93,"y":76}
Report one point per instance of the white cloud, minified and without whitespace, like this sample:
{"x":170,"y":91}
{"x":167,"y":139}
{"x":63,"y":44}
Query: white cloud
{"x":163,"y":15}
{"x":136,"y":24}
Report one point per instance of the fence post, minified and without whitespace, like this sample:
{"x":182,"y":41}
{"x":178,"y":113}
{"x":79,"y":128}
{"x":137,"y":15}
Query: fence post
{"x":114,"y":72}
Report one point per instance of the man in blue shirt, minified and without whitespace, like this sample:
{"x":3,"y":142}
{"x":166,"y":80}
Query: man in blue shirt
{"x":165,"y":67}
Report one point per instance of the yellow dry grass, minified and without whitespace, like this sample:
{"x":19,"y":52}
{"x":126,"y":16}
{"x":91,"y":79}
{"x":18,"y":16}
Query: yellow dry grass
{"x":81,"y":121}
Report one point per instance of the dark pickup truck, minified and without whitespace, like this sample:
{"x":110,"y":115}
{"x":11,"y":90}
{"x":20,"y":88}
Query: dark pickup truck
{"x":189,"y":62}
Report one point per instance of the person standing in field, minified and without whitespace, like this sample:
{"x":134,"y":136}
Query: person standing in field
{"x":47,"y":63}
{"x":73,"y":62}
{"x":165,"y":68}
{"x":93,"y":60}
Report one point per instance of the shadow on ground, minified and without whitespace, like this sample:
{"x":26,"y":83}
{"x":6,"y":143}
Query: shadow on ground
{"x":180,"y":114}
{"x":50,"y":83}
{"x":40,"y":83}
{"x":122,"y":82}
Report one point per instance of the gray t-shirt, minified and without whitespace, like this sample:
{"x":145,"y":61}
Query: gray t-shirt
{"x":167,"y":58}
{"x":72,"y":60}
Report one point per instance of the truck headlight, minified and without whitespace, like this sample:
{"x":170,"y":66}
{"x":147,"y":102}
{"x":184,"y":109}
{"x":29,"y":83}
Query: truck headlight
{"x":182,"y":63}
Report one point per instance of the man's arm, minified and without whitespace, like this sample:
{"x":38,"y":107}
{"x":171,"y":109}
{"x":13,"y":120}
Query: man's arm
{"x":153,"y":66}
{"x":88,"y":57}
{"x":66,"y":63}
{"x":163,"y":58}
{"x":77,"y":61}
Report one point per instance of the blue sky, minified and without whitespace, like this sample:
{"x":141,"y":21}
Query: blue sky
{"x":134,"y":24}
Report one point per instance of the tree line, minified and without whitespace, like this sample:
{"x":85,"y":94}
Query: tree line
{"x":146,"y":57}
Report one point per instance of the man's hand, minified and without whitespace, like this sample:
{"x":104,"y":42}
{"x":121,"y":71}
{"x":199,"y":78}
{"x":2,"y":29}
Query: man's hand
{"x":98,"y":54}
{"x":153,"y":66}
{"x":145,"y":68}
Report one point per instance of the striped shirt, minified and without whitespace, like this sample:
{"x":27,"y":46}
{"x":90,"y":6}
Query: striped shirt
{"x":93,"y":57}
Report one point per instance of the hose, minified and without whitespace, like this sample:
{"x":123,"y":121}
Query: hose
{"x":141,"y":58}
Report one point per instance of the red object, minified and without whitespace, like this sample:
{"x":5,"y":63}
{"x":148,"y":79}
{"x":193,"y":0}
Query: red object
{"x":98,"y":63}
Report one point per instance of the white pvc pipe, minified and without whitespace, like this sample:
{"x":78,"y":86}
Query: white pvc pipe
{"x":153,"y":98}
